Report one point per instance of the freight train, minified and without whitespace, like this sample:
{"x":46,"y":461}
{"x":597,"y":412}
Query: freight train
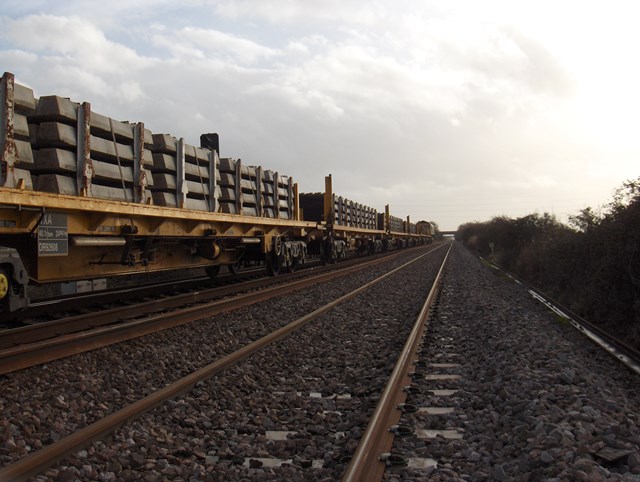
{"x":85,"y":197}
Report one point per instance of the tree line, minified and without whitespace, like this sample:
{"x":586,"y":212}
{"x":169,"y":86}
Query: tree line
{"x":590,"y":265}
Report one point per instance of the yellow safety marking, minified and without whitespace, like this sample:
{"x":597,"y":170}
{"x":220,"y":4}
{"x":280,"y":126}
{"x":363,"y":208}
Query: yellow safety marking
{"x":4,"y":285}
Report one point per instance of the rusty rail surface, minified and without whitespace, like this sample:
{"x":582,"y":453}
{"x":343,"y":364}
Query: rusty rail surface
{"x":39,"y":461}
{"x":71,"y":324}
{"x":111,"y":326}
{"x":41,"y":331}
{"x":44,"y":306}
{"x":366,"y":464}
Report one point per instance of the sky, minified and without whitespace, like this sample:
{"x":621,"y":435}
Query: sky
{"x":447,"y":110}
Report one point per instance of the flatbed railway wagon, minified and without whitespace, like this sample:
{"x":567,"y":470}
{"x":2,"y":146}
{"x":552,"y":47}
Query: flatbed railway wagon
{"x":83,"y":196}
{"x":349,"y":226}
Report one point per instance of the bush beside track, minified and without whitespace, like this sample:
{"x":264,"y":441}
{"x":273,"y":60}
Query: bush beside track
{"x":592,"y":265}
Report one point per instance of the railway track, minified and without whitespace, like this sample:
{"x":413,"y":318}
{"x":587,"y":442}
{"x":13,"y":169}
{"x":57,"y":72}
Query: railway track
{"x":505,"y":390}
{"x":481,"y":402}
{"x":43,"y":309}
{"x":50,"y":308}
{"x":43,"y":342}
{"x":38,"y":461}
{"x":373,"y":452}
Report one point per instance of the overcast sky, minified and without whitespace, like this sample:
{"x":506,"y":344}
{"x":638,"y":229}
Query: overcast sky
{"x":446,"y":110}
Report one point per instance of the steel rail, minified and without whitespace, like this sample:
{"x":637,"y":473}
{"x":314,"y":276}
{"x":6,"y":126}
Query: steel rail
{"x":110,"y":329}
{"x":74,"y":302}
{"x":39,"y":461}
{"x":41,"y":331}
{"x":46,"y":305}
{"x":366,"y":464}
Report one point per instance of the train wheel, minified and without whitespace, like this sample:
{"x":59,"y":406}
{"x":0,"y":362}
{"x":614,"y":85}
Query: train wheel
{"x":294,"y":262}
{"x":234,"y":268}
{"x":287,"y":259}
{"x":212,"y":271}
{"x":330,"y":255}
{"x":274,"y":259}
{"x":273,"y":263}
{"x":302,"y":258}
{"x":333,"y":254}
{"x":4,"y":284}
{"x":277,"y":246}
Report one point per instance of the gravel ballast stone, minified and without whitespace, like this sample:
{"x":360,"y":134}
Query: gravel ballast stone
{"x":68,"y":394}
{"x":536,"y":400}
{"x":320,"y":384}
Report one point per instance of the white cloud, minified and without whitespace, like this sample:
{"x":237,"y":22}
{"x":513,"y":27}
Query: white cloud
{"x":297,"y":47}
{"x":413,"y":103}
{"x":294,"y":12}
{"x":210,"y":43}
{"x":71,"y":37}
{"x":130,"y":91}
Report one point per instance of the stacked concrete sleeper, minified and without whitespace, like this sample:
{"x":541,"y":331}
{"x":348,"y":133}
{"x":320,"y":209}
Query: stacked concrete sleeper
{"x":126,"y":162}
{"x":351,"y":214}
{"x":112,"y":171}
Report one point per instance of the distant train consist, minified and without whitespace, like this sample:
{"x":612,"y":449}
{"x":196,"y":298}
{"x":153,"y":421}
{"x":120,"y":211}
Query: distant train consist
{"x":84,"y":197}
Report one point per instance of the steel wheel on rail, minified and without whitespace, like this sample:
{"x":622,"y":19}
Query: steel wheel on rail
{"x":333,"y":253}
{"x":330,"y":256}
{"x":300,"y":259}
{"x":293,"y":261}
{"x":294,"y":265}
{"x":273,"y":263}
{"x":277,"y":245}
{"x":274,"y":259}
{"x":234,"y":268}
{"x":212,"y":271}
